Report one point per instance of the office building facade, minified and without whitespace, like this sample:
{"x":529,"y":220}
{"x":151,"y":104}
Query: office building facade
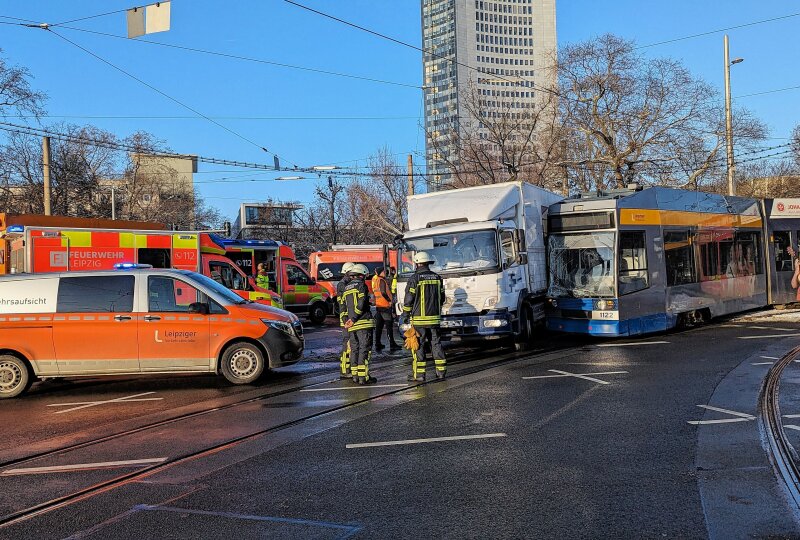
{"x":501,"y":49}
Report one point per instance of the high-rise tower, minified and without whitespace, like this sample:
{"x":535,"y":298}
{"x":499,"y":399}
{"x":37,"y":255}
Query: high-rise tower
{"x":501,"y":49}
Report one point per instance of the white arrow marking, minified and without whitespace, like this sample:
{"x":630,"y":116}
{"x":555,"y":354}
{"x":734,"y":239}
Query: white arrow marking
{"x":82,"y":466}
{"x":741,"y":417}
{"x":584,"y":376}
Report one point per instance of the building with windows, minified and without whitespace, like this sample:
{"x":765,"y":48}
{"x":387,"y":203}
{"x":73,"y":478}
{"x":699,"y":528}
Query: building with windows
{"x":500,"y":49}
{"x":258,"y":221}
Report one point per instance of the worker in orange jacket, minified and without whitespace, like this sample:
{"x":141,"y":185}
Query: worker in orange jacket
{"x":381,"y":291}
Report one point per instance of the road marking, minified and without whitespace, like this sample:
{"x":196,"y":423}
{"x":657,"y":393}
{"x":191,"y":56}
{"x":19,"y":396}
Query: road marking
{"x":82,"y":466}
{"x":773,"y":328}
{"x":87,"y":404}
{"x":762,"y":363}
{"x":631,"y":344}
{"x":420,"y":441}
{"x":584,"y":376}
{"x":740,"y":417}
{"x":769,"y":357}
{"x":359,"y":387}
{"x":769,"y":336}
{"x":791,"y":415}
{"x":792,"y":426}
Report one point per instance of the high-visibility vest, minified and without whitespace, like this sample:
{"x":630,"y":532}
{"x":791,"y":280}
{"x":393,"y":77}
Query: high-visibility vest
{"x":382,"y":299}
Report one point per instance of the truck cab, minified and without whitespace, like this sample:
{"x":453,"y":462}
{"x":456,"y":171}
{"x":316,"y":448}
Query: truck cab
{"x":299,"y":292}
{"x":488,"y":246}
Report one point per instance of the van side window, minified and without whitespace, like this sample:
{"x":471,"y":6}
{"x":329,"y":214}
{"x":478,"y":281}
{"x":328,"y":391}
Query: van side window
{"x":95,"y":294}
{"x":166,"y":294}
{"x":297,"y":275}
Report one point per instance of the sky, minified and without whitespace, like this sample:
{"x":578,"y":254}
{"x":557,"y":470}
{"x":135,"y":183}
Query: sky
{"x":309,"y":118}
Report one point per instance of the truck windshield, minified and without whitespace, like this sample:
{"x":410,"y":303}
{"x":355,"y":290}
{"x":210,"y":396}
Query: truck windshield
{"x":582,"y":265}
{"x":223,"y":292}
{"x":473,"y":252}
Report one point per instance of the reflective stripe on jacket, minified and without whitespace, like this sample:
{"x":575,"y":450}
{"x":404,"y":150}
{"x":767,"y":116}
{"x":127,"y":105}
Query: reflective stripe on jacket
{"x":424,"y":298}
{"x":355,"y":301}
{"x":340,"y":298}
{"x":380,"y":290}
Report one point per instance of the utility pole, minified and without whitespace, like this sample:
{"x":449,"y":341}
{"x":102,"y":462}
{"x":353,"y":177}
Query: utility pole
{"x":410,"y":174}
{"x":332,"y":201}
{"x":728,"y":118}
{"x":113,"y":202}
{"x":46,"y":171}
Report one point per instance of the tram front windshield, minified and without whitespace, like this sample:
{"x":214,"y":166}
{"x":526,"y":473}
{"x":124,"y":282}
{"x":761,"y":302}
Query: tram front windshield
{"x":460,"y":253}
{"x":582,"y":265}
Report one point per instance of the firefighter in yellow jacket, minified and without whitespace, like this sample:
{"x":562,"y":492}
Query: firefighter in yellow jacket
{"x":423,"y":304}
{"x":359,"y":323}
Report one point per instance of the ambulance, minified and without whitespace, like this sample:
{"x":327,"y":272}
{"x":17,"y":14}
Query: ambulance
{"x":136,"y":321}
{"x":34,"y":249}
{"x":299,"y":292}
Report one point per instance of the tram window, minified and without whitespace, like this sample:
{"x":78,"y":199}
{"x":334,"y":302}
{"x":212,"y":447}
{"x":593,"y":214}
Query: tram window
{"x":679,"y":258}
{"x":633,"y":274}
{"x":748,"y":251}
{"x":781,"y":241}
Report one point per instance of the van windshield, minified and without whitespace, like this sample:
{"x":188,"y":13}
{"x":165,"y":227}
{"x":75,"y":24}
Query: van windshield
{"x":219,"y":289}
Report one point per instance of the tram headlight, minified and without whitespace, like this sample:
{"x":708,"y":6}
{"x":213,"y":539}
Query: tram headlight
{"x":604,"y":304}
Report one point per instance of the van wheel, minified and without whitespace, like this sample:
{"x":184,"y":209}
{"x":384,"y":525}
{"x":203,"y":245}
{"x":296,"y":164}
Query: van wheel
{"x":317,"y":313}
{"x":242,"y":363}
{"x":15,"y":376}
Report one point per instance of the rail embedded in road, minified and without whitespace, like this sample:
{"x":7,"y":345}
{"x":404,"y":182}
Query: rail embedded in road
{"x":781,"y":452}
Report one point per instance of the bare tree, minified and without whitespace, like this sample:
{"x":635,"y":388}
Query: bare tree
{"x":502,"y":138}
{"x":629,"y":118}
{"x":16,"y":94}
{"x":380,"y":199}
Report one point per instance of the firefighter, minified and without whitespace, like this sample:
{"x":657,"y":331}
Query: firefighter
{"x":262,"y":278}
{"x":383,"y":310}
{"x":359,"y":322}
{"x":423,"y":304}
{"x":344,"y":358}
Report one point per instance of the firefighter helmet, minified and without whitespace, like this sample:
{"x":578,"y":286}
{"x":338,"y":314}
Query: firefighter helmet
{"x":359,"y":269}
{"x":422,"y":257}
{"x":346,"y":267}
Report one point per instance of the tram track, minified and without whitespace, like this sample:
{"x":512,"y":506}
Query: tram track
{"x":121,"y":480}
{"x":186,"y":416}
{"x":782,"y":454}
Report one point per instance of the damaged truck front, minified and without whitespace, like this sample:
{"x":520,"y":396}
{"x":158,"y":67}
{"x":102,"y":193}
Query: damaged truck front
{"x":488,"y":245}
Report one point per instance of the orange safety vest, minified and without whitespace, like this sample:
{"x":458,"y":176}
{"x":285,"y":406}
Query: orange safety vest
{"x":382,"y":300}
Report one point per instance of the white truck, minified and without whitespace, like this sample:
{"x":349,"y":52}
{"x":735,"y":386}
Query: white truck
{"x":489,"y":247}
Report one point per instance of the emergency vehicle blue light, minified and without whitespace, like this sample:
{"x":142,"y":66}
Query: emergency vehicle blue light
{"x":131,"y":266}
{"x":15,"y":228}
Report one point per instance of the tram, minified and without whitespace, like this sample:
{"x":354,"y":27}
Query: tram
{"x":636,"y":261}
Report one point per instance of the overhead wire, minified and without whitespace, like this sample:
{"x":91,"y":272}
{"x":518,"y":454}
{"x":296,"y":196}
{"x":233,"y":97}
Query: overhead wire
{"x":171,"y":98}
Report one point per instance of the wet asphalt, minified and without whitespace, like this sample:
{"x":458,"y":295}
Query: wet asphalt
{"x":536,"y":452}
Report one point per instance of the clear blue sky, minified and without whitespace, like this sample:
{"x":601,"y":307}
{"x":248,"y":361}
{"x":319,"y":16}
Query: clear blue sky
{"x":273,"y":30}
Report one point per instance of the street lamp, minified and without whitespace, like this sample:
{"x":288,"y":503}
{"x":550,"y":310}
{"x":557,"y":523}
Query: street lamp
{"x":728,"y":119}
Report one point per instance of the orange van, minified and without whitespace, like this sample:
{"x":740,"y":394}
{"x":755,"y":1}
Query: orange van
{"x":136,"y":321}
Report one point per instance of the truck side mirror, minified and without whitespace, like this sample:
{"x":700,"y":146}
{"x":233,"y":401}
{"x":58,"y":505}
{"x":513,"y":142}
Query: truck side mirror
{"x":522,"y":258}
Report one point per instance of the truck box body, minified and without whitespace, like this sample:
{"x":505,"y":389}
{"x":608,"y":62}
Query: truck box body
{"x":489,"y":246}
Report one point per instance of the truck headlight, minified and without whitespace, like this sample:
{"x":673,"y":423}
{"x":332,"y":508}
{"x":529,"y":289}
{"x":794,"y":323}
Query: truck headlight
{"x":284,"y":327}
{"x":495,"y":323}
{"x":490,"y":302}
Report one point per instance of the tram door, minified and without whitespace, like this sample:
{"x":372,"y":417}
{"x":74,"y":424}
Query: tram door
{"x":783,"y":256}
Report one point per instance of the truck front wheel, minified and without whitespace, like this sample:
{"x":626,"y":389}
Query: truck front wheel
{"x":522,"y":341}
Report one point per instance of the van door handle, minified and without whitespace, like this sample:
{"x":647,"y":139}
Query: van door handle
{"x":152,"y":318}
{"x":120,"y":318}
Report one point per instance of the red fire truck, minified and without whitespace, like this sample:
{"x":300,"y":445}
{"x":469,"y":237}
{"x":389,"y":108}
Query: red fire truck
{"x":35,"y":249}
